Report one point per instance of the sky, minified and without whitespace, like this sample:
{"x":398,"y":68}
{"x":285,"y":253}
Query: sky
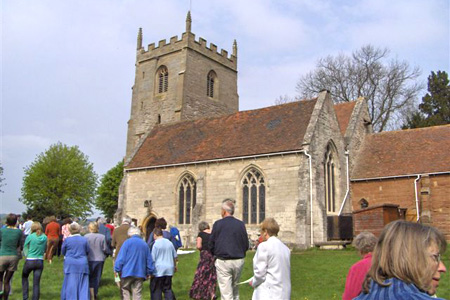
{"x":68,"y":66}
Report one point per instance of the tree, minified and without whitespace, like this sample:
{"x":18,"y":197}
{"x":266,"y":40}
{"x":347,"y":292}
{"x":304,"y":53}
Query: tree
{"x":388,"y":85}
{"x":61,"y":182}
{"x":1,"y":178}
{"x":435,"y":107}
{"x":108,"y":191}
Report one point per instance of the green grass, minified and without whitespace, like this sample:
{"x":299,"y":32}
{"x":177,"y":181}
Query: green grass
{"x":315,"y":274}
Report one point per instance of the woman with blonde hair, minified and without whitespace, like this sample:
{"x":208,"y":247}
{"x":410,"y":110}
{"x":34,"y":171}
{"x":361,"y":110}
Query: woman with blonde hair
{"x":406,"y":263}
{"x":271,"y":265}
{"x":96,"y":257}
{"x":34,"y":249}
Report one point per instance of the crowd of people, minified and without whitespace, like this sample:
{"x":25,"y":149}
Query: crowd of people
{"x":403,"y":263}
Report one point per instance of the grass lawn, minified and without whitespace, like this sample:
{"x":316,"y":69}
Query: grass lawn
{"x":315,"y":274}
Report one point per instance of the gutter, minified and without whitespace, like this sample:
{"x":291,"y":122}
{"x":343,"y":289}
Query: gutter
{"x":348,"y":184}
{"x":417,"y":197}
{"x":400,"y":176}
{"x":310,"y":197}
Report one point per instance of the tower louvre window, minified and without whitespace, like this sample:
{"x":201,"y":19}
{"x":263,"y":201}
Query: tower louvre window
{"x":187,"y":198}
{"x":253,"y":197}
{"x":163,"y":79}
{"x":210,"y":84}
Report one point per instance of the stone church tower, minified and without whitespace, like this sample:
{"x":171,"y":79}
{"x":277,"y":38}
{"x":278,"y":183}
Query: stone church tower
{"x":180,"y":80}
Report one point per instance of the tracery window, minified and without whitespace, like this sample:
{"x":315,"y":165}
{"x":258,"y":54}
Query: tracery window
{"x":330,"y":180}
{"x":253,"y":197}
{"x":187,"y":196}
{"x":210,"y":84}
{"x":163,"y":79}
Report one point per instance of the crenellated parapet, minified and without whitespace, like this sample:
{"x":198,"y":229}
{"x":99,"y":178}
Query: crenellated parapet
{"x":187,"y":41}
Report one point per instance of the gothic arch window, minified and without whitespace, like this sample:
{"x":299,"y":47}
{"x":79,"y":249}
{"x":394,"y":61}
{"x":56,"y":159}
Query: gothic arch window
{"x":330,"y":179}
{"x":163,"y":79}
{"x":187,"y":198}
{"x":253,"y":197}
{"x":211,"y":84}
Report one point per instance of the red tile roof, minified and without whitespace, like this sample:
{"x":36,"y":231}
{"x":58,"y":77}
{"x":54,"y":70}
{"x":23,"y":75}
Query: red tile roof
{"x":405,"y":152}
{"x":262,"y":131}
{"x":343,"y":113}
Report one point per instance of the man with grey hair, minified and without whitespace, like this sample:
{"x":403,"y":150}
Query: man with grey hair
{"x":133,"y":264}
{"x":120,"y":235}
{"x":228,"y":243}
{"x":102,"y":229}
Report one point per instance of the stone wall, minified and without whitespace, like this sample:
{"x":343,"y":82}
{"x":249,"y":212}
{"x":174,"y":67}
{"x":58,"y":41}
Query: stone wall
{"x":216,"y":181}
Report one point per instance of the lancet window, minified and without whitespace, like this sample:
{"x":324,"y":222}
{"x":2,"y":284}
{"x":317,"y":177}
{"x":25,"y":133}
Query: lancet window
{"x":253,"y":197}
{"x":330,"y":180}
{"x":187,"y":196}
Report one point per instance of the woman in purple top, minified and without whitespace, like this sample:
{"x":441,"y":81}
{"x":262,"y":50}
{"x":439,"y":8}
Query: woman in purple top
{"x":365,"y":243}
{"x":204,"y":285}
{"x":76,"y":269}
{"x":96,"y":258}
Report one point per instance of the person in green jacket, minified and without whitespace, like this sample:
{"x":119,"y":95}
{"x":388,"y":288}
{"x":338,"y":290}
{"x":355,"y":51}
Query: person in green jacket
{"x":34,"y":249}
{"x":10,"y":248}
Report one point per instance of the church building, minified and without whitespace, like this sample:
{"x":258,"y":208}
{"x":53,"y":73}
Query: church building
{"x":189,"y":147}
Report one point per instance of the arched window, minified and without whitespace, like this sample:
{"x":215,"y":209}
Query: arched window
{"x":363,"y":203}
{"x":211,"y":84}
{"x":253,"y":197}
{"x":187,"y":196}
{"x":163,"y":79}
{"x":330,"y":180}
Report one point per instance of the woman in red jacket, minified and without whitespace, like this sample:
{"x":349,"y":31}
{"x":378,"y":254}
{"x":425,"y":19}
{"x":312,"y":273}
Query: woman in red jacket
{"x":52,"y":231}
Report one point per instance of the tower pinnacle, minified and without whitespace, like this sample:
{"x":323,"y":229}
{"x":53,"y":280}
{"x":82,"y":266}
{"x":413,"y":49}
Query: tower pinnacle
{"x":235,"y":48}
{"x":139,"y":39}
{"x":188,"y":21}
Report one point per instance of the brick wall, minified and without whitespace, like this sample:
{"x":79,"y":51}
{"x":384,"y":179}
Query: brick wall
{"x":433,"y":193}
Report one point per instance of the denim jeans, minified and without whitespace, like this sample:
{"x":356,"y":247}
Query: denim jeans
{"x":37,"y":266}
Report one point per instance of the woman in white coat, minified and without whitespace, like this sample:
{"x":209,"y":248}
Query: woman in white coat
{"x":271,"y":265}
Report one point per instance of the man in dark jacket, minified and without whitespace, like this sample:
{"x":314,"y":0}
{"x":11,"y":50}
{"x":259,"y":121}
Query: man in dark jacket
{"x":228,"y":243}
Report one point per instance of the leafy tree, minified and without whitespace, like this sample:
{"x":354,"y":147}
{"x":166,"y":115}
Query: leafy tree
{"x":435,"y":107}
{"x":61,"y":182}
{"x":1,"y":178}
{"x":388,"y":85}
{"x":108,"y":191}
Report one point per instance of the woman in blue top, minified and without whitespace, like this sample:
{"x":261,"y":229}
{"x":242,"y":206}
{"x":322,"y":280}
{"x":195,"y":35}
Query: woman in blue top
{"x":76,"y":269}
{"x":406,"y":263}
{"x":34,"y":249}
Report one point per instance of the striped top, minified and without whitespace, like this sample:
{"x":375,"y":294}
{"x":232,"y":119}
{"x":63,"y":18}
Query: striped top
{"x":397,"y":290}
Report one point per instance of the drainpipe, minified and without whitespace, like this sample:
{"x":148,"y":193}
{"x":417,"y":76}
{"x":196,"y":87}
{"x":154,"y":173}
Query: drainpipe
{"x":310,"y":196}
{"x":417,"y":197}
{"x":348,"y":183}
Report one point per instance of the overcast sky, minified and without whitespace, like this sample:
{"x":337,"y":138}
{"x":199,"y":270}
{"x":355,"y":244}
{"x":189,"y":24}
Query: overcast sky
{"x":68,"y":66}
